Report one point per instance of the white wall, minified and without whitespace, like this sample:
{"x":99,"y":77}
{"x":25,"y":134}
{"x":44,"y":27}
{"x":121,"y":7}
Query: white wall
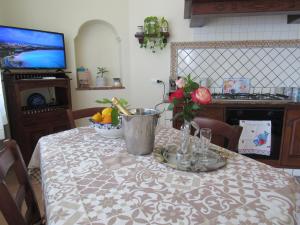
{"x":145,"y":64}
{"x":67,"y":16}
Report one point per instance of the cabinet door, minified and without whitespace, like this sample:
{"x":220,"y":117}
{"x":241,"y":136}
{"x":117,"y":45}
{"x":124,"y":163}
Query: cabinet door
{"x":290,"y":154}
{"x":32,"y":135}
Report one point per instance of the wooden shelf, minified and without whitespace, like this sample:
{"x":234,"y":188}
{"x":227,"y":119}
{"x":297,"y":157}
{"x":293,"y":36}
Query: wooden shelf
{"x":100,"y":88}
{"x":140,"y":36}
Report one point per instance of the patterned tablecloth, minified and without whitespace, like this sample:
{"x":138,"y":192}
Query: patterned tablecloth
{"x":92,"y":180}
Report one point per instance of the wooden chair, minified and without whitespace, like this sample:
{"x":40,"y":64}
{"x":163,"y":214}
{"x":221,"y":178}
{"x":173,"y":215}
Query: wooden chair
{"x":231,"y":133}
{"x":10,"y":206}
{"x":81,"y":113}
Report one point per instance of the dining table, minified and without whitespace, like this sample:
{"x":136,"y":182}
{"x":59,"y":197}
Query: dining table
{"x":91,"y":180}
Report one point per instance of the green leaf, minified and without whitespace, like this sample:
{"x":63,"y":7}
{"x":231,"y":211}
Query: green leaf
{"x":188,"y":108}
{"x":115,"y":117}
{"x":104,"y":101}
{"x":194,"y":85}
{"x":196,"y":107}
{"x":171,"y":106}
{"x":123,"y":102}
{"x":176,"y":101}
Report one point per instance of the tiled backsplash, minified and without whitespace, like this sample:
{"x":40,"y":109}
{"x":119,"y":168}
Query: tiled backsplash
{"x":240,"y":28}
{"x":267,"y":64}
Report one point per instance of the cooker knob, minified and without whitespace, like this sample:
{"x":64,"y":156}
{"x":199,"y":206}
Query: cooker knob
{"x":270,"y":114}
{"x":240,"y":113}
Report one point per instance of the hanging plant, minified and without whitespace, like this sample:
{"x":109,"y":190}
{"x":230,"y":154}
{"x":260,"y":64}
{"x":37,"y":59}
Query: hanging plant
{"x":154,"y":33}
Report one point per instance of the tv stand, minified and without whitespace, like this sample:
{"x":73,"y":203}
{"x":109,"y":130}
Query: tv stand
{"x":28,"y":124}
{"x":6,"y":71}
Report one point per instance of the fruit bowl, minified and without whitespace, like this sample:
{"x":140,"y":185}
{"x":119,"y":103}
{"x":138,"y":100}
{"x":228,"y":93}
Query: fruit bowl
{"x":108,"y":130}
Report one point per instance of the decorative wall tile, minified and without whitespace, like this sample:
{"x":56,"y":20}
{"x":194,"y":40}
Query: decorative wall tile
{"x":268,"y":64}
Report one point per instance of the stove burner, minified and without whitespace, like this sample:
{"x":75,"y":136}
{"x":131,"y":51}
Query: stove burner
{"x":247,"y":96}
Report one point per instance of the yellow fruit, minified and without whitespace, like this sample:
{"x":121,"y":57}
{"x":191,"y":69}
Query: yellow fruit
{"x":97,"y":117}
{"x":106,"y":119}
{"x":106,"y":111}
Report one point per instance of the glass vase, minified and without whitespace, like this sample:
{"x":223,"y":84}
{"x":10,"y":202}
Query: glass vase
{"x":184,"y":151}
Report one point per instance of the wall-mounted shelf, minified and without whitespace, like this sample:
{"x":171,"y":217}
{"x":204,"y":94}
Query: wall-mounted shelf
{"x":100,"y":88}
{"x":140,"y":36}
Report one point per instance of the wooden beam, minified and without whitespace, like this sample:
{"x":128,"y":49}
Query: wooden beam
{"x":206,"y":7}
{"x":187,"y":9}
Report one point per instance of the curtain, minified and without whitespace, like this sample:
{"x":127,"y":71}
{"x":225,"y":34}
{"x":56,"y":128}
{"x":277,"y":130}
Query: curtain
{"x":3,"y":117}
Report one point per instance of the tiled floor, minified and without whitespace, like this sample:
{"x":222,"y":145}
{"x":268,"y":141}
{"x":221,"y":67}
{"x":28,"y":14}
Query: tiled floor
{"x":13,"y":186}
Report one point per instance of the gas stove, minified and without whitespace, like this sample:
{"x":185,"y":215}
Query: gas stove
{"x":251,"y":97}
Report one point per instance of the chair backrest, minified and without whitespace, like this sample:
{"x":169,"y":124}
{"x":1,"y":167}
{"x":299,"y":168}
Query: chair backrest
{"x":10,"y":206}
{"x":81,"y":113}
{"x":231,"y":133}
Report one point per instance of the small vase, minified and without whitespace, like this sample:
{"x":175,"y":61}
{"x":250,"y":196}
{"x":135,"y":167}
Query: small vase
{"x":184,"y":152}
{"x":100,"y":81}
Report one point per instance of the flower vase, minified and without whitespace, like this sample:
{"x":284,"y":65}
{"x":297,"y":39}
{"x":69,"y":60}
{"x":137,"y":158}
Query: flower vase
{"x":100,"y":81}
{"x":184,"y":151}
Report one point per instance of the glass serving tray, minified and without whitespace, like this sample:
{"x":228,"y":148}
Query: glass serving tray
{"x":213,"y":160}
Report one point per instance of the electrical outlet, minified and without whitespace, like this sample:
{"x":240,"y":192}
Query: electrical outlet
{"x":155,"y":81}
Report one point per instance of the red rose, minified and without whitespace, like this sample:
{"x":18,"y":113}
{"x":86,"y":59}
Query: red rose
{"x":201,"y":96}
{"x":178,"y":94}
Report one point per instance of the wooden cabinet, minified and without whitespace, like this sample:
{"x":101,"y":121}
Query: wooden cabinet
{"x":29,"y":123}
{"x":199,"y":11}
{"x":291,"y":139}
{"x":288,"y":155}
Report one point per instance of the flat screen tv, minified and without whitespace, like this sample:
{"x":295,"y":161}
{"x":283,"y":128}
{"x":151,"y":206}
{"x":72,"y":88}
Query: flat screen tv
{"x":22,"y":48}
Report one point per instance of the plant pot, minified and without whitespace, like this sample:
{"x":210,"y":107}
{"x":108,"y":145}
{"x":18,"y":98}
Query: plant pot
{"x":100,"y":81}
{"x":117,"y":82}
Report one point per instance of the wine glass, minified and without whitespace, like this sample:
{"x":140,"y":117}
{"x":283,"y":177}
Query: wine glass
{"x":205,"y":138}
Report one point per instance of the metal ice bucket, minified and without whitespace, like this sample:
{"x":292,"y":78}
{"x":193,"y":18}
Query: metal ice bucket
{"x":139,"y":130}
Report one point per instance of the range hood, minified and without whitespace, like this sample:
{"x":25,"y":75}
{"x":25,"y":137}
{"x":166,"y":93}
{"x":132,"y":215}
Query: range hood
{"x":199,"y":10}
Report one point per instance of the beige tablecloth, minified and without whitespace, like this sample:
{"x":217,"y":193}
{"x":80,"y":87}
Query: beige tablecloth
{"x":91,"y":180}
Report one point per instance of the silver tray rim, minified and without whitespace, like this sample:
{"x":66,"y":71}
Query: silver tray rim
{"x":158,"y":153}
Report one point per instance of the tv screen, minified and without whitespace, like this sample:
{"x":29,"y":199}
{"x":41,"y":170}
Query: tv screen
{"x":31,"y":49}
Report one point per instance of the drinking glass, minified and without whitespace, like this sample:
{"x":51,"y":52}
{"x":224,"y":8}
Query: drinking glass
{"x":205,"y":138}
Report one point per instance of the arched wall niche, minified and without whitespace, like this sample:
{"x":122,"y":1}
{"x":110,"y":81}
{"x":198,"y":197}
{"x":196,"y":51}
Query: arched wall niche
{"x":97,"y":44}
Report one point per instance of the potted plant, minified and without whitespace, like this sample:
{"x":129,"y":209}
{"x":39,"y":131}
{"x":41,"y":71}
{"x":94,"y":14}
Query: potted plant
{"x":154,"y":29}
{"x":100,"y":80}
{"x":151,"y":25}
{"x":164,"y":25}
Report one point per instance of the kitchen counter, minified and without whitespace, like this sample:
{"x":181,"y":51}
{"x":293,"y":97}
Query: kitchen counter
{"x":224,"y":102}
{"x":253,"y":102}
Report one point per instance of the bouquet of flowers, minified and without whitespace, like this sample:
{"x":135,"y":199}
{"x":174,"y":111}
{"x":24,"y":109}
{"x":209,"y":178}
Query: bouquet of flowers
{"x":190,"y":96}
